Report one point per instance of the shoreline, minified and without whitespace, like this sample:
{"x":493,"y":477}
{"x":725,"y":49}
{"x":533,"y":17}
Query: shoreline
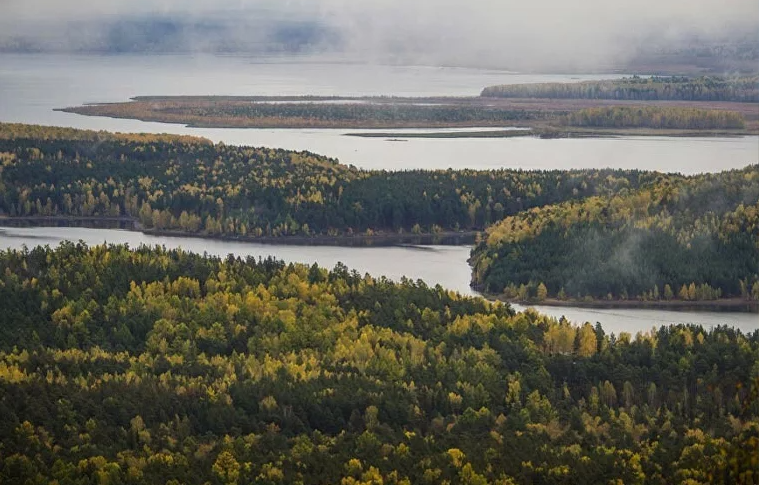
{"x":734,"y":305}
{"x":448,"y":238}
{"x":255,"y":124}
{"x":557,"y":134}
{"x":444,"y":238}
{"x":523,"y":131}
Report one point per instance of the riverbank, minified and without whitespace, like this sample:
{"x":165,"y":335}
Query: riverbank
{"x":553,"y":133}
{"x":435,"y":265}
{"x":720,"y":305}
{"x":444,"y":238}
{"x":448,"y":238}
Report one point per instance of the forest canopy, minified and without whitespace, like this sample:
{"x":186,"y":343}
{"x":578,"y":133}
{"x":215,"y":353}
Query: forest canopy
{"x":192,"y":186}
{"x":646,"y":231}
{"x":656,"y":117}
{"x":147,"y":365}
{"x":690,"y":238}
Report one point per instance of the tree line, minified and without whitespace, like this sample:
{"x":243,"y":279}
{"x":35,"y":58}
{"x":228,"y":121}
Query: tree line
{"x":148,"y":365}
{"x":636,"y":88}
{"x":656,"y":118}
{"x":196,"y":187}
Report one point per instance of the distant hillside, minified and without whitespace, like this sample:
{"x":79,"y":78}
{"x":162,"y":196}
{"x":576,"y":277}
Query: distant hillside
{"x":178,"y":34}
{"x":675,"y":88}
{"x":270,"y":27}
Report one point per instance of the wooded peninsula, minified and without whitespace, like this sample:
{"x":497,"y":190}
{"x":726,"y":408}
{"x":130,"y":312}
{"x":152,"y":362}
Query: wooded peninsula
{"x":602,"y":235}
{"x":682,"y":239}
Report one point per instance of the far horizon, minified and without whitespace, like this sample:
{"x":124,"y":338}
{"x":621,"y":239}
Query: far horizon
{"x":709,"y":37}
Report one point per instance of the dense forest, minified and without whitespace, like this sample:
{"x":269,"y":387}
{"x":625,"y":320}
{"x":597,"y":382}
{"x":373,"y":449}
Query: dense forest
{"x":600,"y":234}
{"x":148,"y":366}
{"x":690,"y":238}
{"x":656,"y":117}
{"x":744,"y":89}
{"x":191,"y":185}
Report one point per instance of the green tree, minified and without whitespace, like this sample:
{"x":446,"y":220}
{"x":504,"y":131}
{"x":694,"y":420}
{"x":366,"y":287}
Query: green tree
{"x":226,"y":468}
{"x":541,"y":292}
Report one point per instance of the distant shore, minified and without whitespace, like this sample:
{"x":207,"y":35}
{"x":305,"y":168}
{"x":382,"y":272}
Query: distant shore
{"x":554,"y":133}
{"x":720,"y":305}
{"x":447,"y":238}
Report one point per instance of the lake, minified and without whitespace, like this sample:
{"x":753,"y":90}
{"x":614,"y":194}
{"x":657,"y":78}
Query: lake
{"x":31,"y":86}
{"x":444,"y":265}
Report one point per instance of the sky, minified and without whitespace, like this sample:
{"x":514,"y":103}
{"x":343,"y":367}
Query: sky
{"x":500,"y":33}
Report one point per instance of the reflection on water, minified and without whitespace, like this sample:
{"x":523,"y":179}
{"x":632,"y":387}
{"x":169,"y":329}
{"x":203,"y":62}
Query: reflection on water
{"x":444,"y":265}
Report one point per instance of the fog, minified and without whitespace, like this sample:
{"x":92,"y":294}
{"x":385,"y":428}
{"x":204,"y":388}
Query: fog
{"x":519,"y":35}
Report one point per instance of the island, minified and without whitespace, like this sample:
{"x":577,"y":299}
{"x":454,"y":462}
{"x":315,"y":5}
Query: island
{"x":671,"y":106}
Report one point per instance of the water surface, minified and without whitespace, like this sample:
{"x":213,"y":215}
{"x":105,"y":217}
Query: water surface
{"x":31,"y":86}
{"x":444,"y":265}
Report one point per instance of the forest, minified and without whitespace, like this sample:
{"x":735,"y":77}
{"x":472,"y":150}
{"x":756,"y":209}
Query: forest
{"x":690,"y":239}
{"x":676,"y":88}
{"x":192,"y":186}
{"x":584,"y":234}
{"x":656,"y":117}
{"x":147,"y":365}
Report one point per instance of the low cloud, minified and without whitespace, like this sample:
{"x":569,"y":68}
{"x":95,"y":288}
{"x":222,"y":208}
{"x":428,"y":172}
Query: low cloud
{"x":543,"y":34}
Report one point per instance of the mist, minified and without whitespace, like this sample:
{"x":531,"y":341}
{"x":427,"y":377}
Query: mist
{"x":513,"y":35}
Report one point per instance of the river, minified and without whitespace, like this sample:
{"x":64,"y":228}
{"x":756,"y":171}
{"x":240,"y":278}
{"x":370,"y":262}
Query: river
{"x":444,"y":265}
{"x":32,"y":86}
